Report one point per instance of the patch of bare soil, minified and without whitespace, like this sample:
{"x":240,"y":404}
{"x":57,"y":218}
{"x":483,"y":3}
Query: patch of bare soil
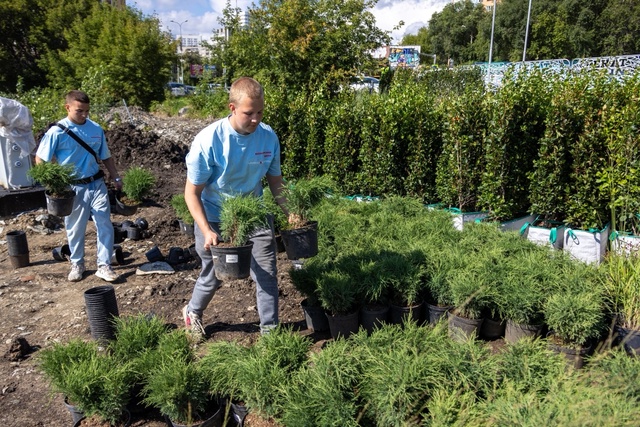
{"x":38,"y":306}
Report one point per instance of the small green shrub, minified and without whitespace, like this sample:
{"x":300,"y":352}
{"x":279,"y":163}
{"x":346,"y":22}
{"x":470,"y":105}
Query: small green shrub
{"x":240,"y":216}
{"x":304,"y":195}
{"x":179,"y":204}
{"x":55,"y":178}
{"x":137,"y":183}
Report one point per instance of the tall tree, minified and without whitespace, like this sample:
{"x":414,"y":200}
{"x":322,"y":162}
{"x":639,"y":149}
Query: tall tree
{"x":115,"y":52}
{"x":618,"y":28}
{"x":29,"y":29}
{"x":453,"y":32}
{"x":297,"y":44}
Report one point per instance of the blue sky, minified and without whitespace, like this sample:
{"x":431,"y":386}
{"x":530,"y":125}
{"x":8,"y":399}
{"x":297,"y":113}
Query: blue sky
{"x":201,"y":16}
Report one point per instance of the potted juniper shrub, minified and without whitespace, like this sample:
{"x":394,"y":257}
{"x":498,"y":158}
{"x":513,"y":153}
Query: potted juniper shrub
{"x":300,"y":237}
{"x":470,"y":287}
{"x":305,"y":281}
{"x":92,"y":381}
{"x":185,"y":220}
{"x":240,"y":217}
{"x":338,"y":293}
{"x":177,"y":385}
{"x":526,"y":281}
{"x":57,"y":180}
{"x":137,"y":183}
{"x":575,"y":319}
{"x":135,"y":337}
{"x":404,"y":273}
{"x":376,"y":286}
{"x":220,"y":367}
{"x":620,"y":278}
{"x":438,"y":292}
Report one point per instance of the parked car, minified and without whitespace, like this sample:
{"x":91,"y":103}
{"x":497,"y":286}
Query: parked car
{"x":180,"y":89}
{"x":365,"y":83}
{"x":176,"y":89}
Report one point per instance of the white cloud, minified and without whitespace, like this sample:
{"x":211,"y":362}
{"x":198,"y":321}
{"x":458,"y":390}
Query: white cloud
{"x":414,"y":13}
{"x":202,"y":15}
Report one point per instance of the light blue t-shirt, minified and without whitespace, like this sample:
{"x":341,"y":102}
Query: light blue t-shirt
{"x":56,"y":143}
{"x":231,"y":164}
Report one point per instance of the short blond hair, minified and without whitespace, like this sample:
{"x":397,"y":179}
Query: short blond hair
{"x":245,"y":86}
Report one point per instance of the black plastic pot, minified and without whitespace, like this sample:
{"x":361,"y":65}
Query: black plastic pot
{"x":61,"y":252}
{"x":141,"y":223}
{"x":301,"y":242}
{"x":463,"y":328}
{"x":185,"y":228}
{"x":60,"y":206}
{"x":102,"y":307}
{"x":214,"y":420}
{"x":154,"y":254}
{"x":176,"y":256}
{"x":232,"y":262}
{"x":373,"y":316}
{"x":118,"y":255}
{"x":124,"y":209}
{"x":399,"y":315}
{"x":119,"y":234}
{"x":18,"y":248}
{"x":343,"y":325}
{"x":76,"y":413}
{"x":435,"y":312}
{"x":315,"y":317}
{"x":134,"y":232}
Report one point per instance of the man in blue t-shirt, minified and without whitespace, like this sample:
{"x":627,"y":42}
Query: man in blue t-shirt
{"x":92,"y":198}
{"x":229,"y":158}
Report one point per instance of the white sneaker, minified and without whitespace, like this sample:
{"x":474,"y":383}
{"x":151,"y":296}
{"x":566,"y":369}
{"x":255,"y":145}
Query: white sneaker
{"x":193,"y":323}
{"x":77,"y":270}
{"x":105,"y":272}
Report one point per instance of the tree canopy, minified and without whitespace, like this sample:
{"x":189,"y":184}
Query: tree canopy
{"x":557,"y":29}
{"x":111,"y":53}
{"x":296,"y":44}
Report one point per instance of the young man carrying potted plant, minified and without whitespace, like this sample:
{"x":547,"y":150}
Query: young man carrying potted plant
{"x":77,"y":140}
{"x":228,"y":158}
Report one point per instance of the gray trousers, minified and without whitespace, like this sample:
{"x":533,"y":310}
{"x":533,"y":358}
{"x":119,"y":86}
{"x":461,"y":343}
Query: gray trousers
{"x":263,"y":272}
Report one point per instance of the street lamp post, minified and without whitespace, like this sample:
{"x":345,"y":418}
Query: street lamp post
{"x":493,"y":23}
{"x":526,"y":34}
{"x":181,"y":68}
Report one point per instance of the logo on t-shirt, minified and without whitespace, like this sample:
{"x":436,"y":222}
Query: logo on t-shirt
{"x":264,"y":154}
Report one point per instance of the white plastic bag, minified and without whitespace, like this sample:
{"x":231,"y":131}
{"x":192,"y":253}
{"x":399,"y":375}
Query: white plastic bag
{"x":16,"y":125}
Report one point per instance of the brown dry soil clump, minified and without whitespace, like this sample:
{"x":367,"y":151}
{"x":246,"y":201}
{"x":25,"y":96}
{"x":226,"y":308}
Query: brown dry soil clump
{"x":38,"y":306}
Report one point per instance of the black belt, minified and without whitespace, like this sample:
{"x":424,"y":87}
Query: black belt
{"x":95,"y":177}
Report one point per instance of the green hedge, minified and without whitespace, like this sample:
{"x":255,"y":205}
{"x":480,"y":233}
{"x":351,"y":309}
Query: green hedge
{"x":556,"y":145}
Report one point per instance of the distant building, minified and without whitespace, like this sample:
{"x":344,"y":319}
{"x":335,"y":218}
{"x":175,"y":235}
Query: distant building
{"x":488,"y":4}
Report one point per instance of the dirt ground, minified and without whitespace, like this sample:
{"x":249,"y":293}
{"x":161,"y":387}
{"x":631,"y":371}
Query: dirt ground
{"x":38,"y":306}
